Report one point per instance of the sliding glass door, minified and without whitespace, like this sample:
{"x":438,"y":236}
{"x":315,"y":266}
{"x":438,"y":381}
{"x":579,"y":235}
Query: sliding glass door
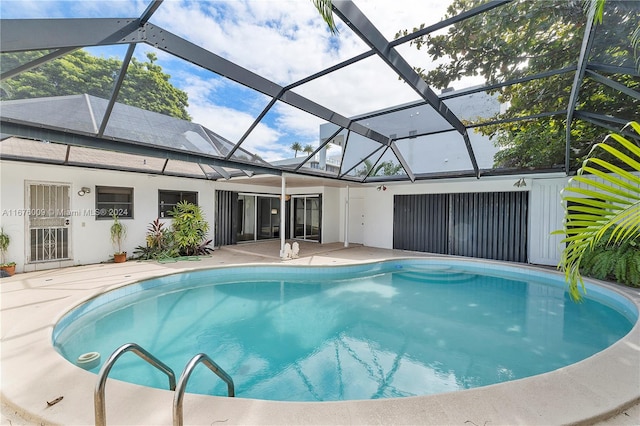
{"x":306,"y":217}
{"x":258,"y":217}
{"x":246,"y":217}
{"x":268,"y":218}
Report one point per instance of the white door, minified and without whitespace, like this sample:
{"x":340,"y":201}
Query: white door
{"x":48,"y":236}
{"x":356,"y":220}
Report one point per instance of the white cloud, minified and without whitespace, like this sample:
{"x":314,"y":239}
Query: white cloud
{"x":287,"y":40}
{"x":298,"y":121}
{"x":281,"y":40}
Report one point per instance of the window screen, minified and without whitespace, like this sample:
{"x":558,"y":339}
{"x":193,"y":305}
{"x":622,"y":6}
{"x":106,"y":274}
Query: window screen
{"x":167,"y":200}
{"x":111,"y":200}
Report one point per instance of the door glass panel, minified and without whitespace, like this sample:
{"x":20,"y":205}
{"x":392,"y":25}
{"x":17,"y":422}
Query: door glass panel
{"x":275,"y":217}
{"x":246,"y":218}
{"x":313,"y":219}
{"x":264,"y":218}
{"x":299,"y":217}
{"x":307,"y":218}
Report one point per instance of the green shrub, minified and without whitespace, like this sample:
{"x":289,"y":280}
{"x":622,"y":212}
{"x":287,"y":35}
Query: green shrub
{"x":159,"y":243}
{"x":187,"y":236}
{"x":190,"y":229}
{"x":614,"y":262}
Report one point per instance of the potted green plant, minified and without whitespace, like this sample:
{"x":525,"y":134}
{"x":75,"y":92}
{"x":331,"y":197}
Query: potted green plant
{"x":5,"y":240}
{"x":118,"y":234}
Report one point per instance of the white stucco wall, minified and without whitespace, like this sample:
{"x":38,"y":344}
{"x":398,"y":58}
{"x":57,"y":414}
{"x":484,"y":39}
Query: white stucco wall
{"x":331,"y":215}
{"x":370,"y":210}
{"x":374,"y":209}
{"x":90,"y":238}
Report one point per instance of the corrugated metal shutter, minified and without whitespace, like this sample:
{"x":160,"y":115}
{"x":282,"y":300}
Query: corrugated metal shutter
{"x":226,"y":218}
{"x":490,"y":225}
{"x":421,"y":222}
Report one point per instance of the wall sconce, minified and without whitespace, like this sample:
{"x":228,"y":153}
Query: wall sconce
{"x":84,"y":190}
{"x":274,"y":211}
{"x":381,"y":188}
{"x":520,"y":183}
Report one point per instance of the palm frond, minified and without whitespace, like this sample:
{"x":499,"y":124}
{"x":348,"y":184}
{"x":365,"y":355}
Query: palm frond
{"x":608,"y":208}
{"x":325,"y":8}
{"x":594,"y":8}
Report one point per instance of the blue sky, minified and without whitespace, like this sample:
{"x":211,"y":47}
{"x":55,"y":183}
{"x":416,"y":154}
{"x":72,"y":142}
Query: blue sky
{"x":283,"y":40}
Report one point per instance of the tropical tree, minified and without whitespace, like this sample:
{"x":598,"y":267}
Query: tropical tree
{"x":602,"y":201}
{"x":368,"y":169}
{"x":595,"y":8}
{"x":522,"y":39}
{"x":388,"y":168}
{"x":308,"y":149}
{"x":296,"y":146}
{"x":145,"y":86}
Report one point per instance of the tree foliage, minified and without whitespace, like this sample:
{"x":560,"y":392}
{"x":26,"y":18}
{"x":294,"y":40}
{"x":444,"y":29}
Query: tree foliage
{"x":296,"y":147}
{"x":615,"y":262}
{"x":525,"y":38}
{"x":602,"y":205}
{"x":145,"y":86}
{"x":384,"y":168}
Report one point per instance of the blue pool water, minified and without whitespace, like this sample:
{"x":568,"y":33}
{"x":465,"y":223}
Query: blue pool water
{"x":390,"y":329}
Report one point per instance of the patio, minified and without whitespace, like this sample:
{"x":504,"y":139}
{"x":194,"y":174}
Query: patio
{"x":33,"y":373}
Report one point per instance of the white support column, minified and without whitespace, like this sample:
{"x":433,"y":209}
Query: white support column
{"x":346,"y":219}
{"x":282,"y":215}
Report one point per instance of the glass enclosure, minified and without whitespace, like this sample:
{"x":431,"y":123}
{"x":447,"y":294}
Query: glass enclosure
{"x":404,"y":91}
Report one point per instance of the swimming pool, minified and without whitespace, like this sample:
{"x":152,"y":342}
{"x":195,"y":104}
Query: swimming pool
{"x":396,"y":328}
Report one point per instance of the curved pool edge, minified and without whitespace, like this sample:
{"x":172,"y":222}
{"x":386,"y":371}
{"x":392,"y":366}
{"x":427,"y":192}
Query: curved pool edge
{"x":34,"y":373}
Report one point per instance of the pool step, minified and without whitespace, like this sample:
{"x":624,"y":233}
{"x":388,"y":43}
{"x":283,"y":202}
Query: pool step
{"x":435,"y":275}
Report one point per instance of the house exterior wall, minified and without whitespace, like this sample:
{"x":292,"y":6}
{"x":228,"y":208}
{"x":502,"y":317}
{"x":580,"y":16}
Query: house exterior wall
{"x":374,"y":208}
{"x":546,"y":215}
{"x":331,"y":215}
{"x":370,"y":211}
{"x":89,"y":237}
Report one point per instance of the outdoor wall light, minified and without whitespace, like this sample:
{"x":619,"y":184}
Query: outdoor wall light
{"x":274,"y":211}
{"x":84,"y":190}
{"x":381,"y":188}
{"x":520,"y":183}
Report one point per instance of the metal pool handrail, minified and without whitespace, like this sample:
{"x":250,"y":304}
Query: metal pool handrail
{"x":178,"y":396}
{"x":98,"y":396}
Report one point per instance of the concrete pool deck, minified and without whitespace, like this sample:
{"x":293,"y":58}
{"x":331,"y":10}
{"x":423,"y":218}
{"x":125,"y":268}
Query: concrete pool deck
{"x":33,"y":373}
